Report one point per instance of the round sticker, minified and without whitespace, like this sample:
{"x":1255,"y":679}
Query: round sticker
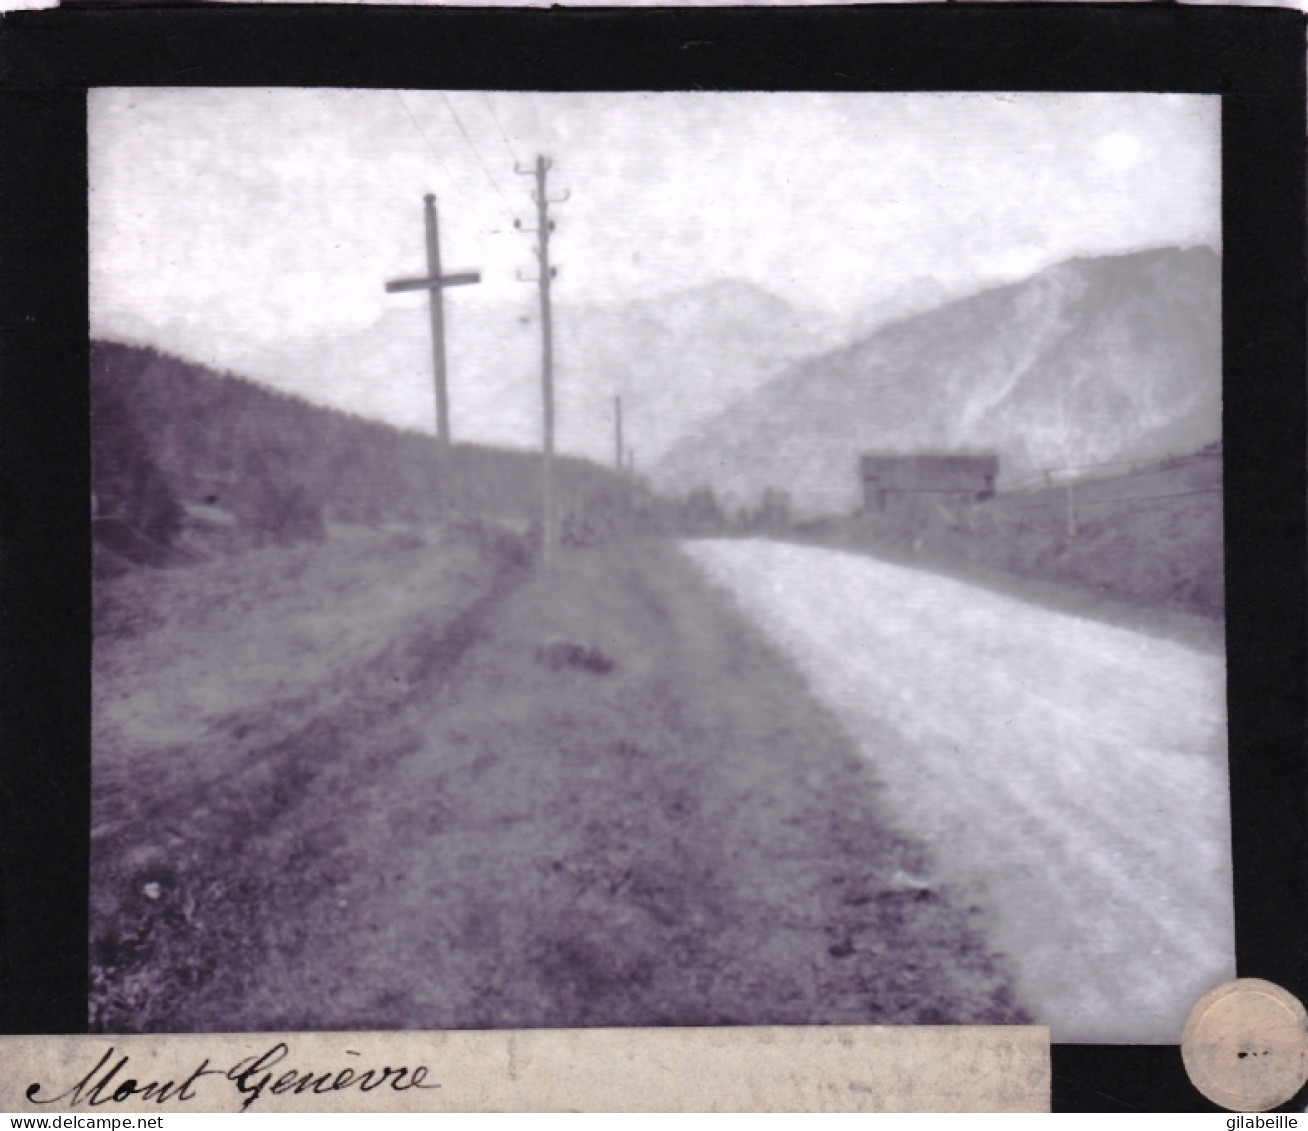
{"x":1245,"y":1045}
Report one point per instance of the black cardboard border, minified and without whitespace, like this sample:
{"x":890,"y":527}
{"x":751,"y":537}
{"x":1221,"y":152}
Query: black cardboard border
{"x":1253,"y":57}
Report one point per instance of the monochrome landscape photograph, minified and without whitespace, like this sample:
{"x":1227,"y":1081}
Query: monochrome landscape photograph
{"x":656,"y":559}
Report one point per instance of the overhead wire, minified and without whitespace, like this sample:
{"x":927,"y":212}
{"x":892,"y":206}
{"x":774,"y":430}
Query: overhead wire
{"x":531,"y":104}
{"x":1009,"y":502}
{"x":466,"y":137}
{"x":1042,"y":475}
{"x":1105,"y":463}
{"x":490,"y":105}
{"x":422,"y":133}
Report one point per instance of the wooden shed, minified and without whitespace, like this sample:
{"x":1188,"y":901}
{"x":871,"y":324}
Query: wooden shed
{"x":890,"y":479}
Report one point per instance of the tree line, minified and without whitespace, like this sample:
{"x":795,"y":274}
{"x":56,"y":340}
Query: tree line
{"x":172,"y":440}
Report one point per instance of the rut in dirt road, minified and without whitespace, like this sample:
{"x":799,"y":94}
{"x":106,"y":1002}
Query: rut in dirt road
{"x":228,"y":698}
{"x":686,"y":837}
{"x":1072,"y":771}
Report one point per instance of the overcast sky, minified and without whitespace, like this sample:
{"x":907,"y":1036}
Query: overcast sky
{"x":229,"y":222}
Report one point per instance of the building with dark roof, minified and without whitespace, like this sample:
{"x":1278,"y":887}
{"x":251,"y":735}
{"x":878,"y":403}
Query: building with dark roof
{"x":891,"y":480}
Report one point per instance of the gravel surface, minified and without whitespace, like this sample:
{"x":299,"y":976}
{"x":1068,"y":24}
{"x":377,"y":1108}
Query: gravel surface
{"x":1071,"y":772}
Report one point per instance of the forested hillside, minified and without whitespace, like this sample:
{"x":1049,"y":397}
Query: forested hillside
{"x":178,"y":449}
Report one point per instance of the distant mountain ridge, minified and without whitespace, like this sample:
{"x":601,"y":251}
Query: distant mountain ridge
{"x":676,"y":358}
{"x":1091,"y":360}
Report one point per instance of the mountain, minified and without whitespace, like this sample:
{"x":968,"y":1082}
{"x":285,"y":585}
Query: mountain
{"x":676,"y":359}
{"x":1090,"y":361}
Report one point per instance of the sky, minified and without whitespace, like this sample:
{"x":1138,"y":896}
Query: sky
{"x":237,"y":226}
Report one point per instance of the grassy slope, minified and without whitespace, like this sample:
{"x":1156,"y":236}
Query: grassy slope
{"x":432,"y":828}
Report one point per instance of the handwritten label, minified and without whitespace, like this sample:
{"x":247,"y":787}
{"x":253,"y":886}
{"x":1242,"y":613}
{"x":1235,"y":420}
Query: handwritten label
{"x":769,"y":1068}
{"x":110,"y":1081}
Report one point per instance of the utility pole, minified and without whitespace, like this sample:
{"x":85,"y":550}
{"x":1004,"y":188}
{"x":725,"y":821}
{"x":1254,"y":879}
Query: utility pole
{"x":434,"y":284}
{"x":546,"y":273}
{"x":617,"y":436}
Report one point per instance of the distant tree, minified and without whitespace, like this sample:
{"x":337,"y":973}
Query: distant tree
{"x":128,"y":488}
{"x":281,"y":508}
{"x":774,"y":510}
{"x":283,"y":466}
{"x":701,"y":510}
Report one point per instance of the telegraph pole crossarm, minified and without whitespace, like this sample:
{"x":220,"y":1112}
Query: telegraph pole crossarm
{"x":434,"y":283}
{"x":458,"y":279}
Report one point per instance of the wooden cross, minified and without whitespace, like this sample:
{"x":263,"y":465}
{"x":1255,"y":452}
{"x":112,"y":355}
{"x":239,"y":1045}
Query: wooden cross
{"x":434,"y":284}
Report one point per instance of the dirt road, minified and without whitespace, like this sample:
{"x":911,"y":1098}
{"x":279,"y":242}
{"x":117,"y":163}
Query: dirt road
{"x":1070,"y":772}
{"x":502,"y":798}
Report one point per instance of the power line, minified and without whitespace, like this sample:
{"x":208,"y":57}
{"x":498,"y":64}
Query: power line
{"x":421,"y":132}
{"x":1089,"y":466}
{"x":1006,"y":503}
{"x":1044,"y":473}
{"x":493,"y":183}
{"x":1142,"y":464}
{"x":531,"y":104}
{"x":496,"y":118}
